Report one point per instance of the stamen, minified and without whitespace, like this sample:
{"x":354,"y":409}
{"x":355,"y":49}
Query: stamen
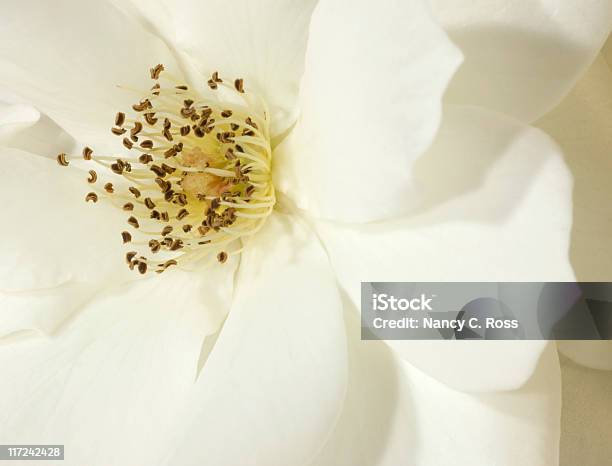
{"x":202,"y":184}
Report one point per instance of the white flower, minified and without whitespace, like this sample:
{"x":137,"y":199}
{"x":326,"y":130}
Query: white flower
{"x":246,"y":362}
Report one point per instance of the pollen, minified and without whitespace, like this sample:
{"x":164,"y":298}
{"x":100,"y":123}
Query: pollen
{"x":192,"y":173}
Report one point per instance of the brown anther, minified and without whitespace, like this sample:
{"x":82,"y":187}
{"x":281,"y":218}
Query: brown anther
{"x":155,"y":215}
{"x":145,"y":158}
{"x":134,"y":191}
{"x":185,"y":130}
{"x":169,"y":263}
{"x":168,"y":195}
{"x":203,"y":230}
{"x":226,"y":136}
{"x":130,"y":256}
{"x":132,"y":221}
{"x":234,"y":126}
{"x":93,"y":177}
{"x":87,"y":153}
{"x":119,"y":119}
{"x":199,"y":132}
{"x":167,"y":134}
{"x":155,"y":89}
{"x":142,"y":105}
{"x":168,"y":169}
{"x":181,"y":199}
{"x":182,"y":214}
{"x":147,"y":144}
{"x":239,"y":85}
{"x":156,"y":71}
{"x":154,"y":245}
{"x":128,"y":206}
{"x":136,"y":129}
{"x":176,"y":245}
{"x":118,"y":131}
{"x":126,"y":237}
{"x":165,"y":217}
{"x":188,"y":102}
{"x":251,"y":123}
{"x":93,"y":197}
{"x":226,"y":113}
{"x":127,"y":143}
{"x":248,"y":132}
{"x":159,"y":171}
{"x":182,"y":87}
{"x":167,"y":230}
{"x":213,"y":85}
{"x":222,"y":257}
{"x":187,"y":228}
{"x":150,"y":118}
{"x":216,"y":78}
{"x":249,"y":190}
{"x":229,"y":154}
{"x":61,"y":159}
{"x":149,"y":203}
{"x":187,"y":112}
{"x":163,"y":185}
{"x":142,"y":267}
{"x":108,"y":187}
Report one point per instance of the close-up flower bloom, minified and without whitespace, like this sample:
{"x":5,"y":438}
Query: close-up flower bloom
{"x":196,"y":190}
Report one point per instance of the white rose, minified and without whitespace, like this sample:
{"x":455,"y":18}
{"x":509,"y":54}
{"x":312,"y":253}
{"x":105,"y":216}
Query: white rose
{"x":360,"y":173}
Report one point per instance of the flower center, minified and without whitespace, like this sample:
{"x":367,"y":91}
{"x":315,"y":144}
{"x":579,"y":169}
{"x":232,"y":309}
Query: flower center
{"x":197,"y":181}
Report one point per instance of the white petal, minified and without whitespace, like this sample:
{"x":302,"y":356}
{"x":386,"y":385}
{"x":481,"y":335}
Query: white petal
{"x":498,"y":209}
{"x":113,"y":380}
{"x":370,"y":105}
{"x":52,"y":242}
{"x":23,"y":127}
{"x":582,"y":125}
{"x":522,"y":57}
{"x":520,"y":427}
{"x":262,"y":42}
{"x":274,"y":383}
{"x":396,"y":415}
{"x":70,"y":58}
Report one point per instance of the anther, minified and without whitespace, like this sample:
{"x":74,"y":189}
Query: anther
{"x":154,"y":245}
{"x":128,"y":206}
{"x":142,"y":105}
{"x":93,"y":176}
{"x":93,"y":197}
{"x":132,"y":221}
{"x":147,"y":144}
{"x":156,"y":71}
{"x":130,"y":256}
{"x":150,"y":118}
{"x":222,"y":257}
{"x":239,"y":85}
{"x":87,"y":153}
{"x":108,"y":187}
{"x":119,"y":119}
{"x":61,"y":159}
{"x":118,"y":131}
{"x":167,"y":230}
{"x":145,"y":158}
{"x":126,"y":237}
{"x":134,"y":191}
